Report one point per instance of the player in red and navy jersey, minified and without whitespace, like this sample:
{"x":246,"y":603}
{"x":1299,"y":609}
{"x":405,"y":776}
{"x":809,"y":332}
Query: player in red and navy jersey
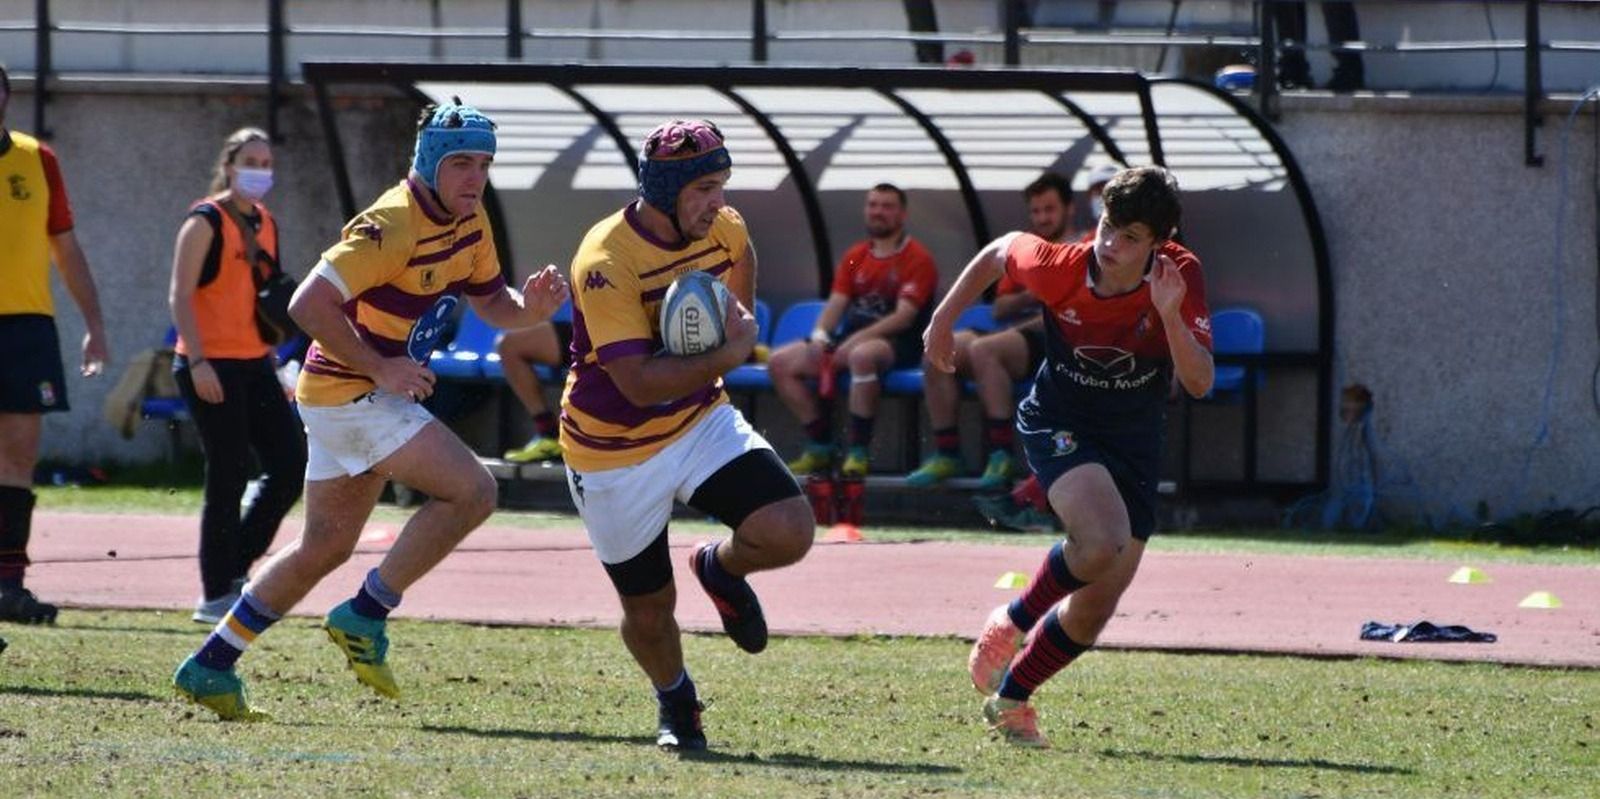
{"x":1125,"y":314}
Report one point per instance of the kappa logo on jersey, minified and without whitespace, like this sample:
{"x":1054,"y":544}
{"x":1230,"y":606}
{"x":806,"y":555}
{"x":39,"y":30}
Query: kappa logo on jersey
{"x":1108,"y":362}
{"x":1203,"y":323}
{"x":1070,"y":316}
{"x":371,"y":231}
{"x":427,"y":330}
{"x":19,"y":187}
{"x":596,"y":280}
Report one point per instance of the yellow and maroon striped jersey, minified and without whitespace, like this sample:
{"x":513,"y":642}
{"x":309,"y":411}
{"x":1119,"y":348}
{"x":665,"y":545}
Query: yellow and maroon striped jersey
{"x":402,"y":270}
{"x":619,"y":275}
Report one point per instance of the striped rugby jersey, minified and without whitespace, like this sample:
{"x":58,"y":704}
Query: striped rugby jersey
{"x":404,"y":270}
{"x":619,"y":275}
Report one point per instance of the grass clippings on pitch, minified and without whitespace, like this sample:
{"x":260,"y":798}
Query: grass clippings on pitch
{"x":85,"y":710}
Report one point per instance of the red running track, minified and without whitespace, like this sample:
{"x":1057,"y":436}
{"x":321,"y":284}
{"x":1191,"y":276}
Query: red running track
{"x":1185,"y":602}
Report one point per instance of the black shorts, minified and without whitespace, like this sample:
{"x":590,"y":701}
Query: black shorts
{"x":907,"y":350}
{"x":32,"y":380}
{"x":1055,"y":446}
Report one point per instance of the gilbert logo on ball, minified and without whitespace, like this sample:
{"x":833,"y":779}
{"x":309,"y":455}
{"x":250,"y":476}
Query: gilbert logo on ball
{"x":692,"y":314}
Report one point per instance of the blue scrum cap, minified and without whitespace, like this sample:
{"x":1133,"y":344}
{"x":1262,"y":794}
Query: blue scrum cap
{"x":675,"y":154}
{"x":452,"y":128}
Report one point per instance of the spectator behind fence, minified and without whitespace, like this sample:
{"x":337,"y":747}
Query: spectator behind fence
{"x":547,"y":344}
{"x":226,"y":370}
{"x":995,"y":361}
{"x":881,"y":297}
{"x":35,"y":229}
{"x":1294,"y":70}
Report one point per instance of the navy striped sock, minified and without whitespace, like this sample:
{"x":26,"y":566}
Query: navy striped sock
{"x":715,"y":577}
{"x":1050,"y":651}
{"x":1050,"y":584}
{"x":375,"y":599}
{"x":680,"y":691}
{"x":248,"y":619}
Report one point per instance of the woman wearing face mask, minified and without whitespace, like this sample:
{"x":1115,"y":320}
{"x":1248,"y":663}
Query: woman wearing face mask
{"x":225,"y":371}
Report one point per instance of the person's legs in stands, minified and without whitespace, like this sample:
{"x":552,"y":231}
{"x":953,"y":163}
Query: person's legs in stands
{"x":999,"y":362}
{"x":791,"y":367}
{"x":519,"y":350}
{"x":1294,"y":71}
{"x":867,"y":360}
{"x":941,"y":391}
{"x":1349,"y":73}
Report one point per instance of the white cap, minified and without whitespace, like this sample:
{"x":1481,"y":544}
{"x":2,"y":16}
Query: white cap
{"x":1102,"y":174}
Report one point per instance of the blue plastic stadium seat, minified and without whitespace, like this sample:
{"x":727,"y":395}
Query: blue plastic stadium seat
{"x":1235,"y":331}
{"x":753,"y":376}
{"x":908,"y":382}
{"x":464,"y":359}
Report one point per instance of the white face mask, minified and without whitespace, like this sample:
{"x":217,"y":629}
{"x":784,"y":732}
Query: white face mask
{"x":252,"y":183}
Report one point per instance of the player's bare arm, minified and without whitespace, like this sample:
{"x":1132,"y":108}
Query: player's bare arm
{"x":318,"y":308}
{"x":653,"y":379}
{"x":542,"y":294}
{"x":75,"y":274}
{"x":985,"y":268}
{"x":1190,"y":362}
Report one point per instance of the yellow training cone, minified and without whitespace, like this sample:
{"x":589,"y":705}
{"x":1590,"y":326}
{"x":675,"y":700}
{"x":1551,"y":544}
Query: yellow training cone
{"x":1012,"y":581}
{"x":1469,"y":575}
{"x":1540,"y":599}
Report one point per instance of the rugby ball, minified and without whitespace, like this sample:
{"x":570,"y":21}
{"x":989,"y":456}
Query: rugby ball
{"x":692,"y":313}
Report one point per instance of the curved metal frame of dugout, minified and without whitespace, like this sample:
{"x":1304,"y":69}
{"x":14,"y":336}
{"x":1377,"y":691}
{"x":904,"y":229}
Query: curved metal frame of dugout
{"x":890,"y":83}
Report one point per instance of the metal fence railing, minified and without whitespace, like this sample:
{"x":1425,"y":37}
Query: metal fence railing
{"x":1264,"y":41}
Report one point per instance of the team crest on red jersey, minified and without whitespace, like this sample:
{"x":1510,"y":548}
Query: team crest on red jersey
{"x":1064,"y":442}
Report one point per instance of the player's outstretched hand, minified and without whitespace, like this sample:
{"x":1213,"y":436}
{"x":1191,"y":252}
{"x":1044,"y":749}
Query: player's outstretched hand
{"x":543,"y":293}
{"x":939,"y":346}
{"x":740,"y":330}
{"x":404,"y":377}
{"x":1167,"y":287}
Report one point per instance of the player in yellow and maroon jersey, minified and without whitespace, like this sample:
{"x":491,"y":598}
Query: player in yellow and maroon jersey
{"x":376,"y":305}
{"x":35,"y":229}
{"x":640,"y":428}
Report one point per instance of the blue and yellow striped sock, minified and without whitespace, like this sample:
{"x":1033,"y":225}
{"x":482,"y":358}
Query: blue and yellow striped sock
{"x":248,"y":619}
{"x":375,"y":598}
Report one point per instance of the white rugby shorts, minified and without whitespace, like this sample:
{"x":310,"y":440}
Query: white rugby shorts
{"x":624,"y":509}
{"x":347,"y":440}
